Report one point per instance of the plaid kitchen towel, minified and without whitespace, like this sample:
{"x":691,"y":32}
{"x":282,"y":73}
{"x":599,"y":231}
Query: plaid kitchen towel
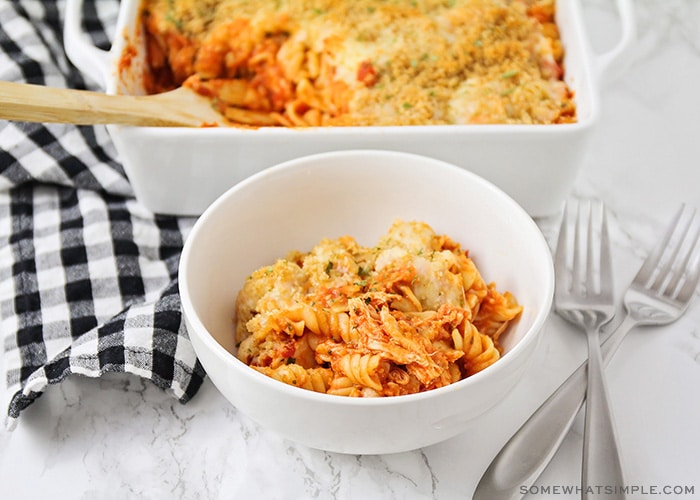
{"x":88,"y":277}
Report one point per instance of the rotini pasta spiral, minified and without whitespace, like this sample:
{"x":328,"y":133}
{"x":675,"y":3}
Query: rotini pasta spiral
{"x":479,"y":349}
{"x":361,"y":369}
{"x":312,"y":379}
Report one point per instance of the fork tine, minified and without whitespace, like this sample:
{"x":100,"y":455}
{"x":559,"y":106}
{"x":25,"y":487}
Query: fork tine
{"x":667,"y":268}
{"x":691,"y":283}
{"x":653,"y":260}
{"x":577,"y":271}
{"x":606,"y":272}
{"x":560,"y":255}
{"x":686,"y":270}
{"x":590,"y":272}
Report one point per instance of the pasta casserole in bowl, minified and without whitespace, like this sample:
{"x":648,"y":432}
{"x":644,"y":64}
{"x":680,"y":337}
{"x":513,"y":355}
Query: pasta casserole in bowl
{"x":344,"y":302}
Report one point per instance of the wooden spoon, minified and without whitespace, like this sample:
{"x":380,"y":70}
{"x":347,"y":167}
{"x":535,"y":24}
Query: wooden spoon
{"x":181,"y":107}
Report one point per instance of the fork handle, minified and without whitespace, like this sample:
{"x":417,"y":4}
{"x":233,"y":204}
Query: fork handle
{"x":526,"y":454}
{"x":601,"y":454}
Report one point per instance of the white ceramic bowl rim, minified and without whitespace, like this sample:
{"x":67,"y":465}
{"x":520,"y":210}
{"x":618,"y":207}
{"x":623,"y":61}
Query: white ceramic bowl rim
{"x":546,"y":290}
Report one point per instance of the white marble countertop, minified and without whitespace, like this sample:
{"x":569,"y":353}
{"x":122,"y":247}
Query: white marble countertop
{"x":120,"y":437}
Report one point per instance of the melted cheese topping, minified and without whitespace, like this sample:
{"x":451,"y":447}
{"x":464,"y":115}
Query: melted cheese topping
{"x":364,"y":62}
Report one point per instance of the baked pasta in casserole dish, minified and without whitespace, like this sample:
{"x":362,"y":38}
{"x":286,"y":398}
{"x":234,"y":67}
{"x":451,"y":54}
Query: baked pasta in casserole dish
{"x":362,"y":62}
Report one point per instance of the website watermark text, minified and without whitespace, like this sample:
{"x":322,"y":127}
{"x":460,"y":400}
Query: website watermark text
{"x":632,"y":489}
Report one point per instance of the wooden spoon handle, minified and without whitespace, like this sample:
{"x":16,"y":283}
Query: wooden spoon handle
{"x":37,"y":103}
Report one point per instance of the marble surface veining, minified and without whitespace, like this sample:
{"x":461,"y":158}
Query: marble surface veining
{"x":120,"y":437}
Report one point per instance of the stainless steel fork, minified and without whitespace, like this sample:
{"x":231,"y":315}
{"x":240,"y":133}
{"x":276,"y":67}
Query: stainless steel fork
{"x":659,"y":294}
{"x":584,"y":297}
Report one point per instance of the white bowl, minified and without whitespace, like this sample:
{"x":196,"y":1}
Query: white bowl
{"x":293,"y":206}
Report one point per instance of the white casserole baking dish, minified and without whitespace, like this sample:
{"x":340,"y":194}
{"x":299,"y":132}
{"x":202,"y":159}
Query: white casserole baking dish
{"x":180,"y":171}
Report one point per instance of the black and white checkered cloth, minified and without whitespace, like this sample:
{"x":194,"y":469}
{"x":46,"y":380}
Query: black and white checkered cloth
{"x":88,"y":277}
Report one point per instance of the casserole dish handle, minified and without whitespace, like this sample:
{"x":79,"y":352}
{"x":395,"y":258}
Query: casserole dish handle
{"x":89,"y":59}
{"x":609,"y":65}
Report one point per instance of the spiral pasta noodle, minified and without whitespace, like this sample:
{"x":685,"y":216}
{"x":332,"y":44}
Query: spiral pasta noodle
{"x":409,"y":315}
